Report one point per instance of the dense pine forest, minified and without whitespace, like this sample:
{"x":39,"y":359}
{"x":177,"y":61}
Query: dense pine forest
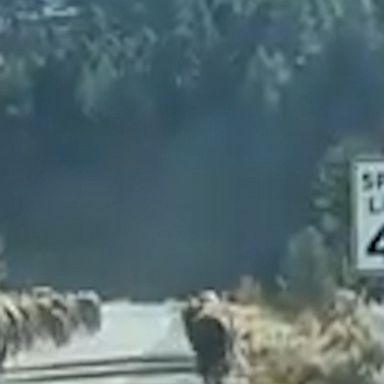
{"x":152,"y":147}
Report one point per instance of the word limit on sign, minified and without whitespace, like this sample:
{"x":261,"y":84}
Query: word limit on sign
{"x":374,"y":182}
{"x":367,"y":181}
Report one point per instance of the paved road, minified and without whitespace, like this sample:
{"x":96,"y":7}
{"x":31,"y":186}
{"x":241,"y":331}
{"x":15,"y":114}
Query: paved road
{"x":132,"y":330}
{"x":128,"y":330}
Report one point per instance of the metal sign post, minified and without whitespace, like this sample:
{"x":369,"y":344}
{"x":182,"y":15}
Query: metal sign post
{"x":367,"y":237}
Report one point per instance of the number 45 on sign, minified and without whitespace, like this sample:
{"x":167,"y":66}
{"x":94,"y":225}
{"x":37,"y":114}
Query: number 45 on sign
{"x":367,"y":237}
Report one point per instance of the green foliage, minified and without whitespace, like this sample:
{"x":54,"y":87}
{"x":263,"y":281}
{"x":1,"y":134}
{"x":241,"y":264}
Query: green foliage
{"x":248,"y":291}
{"x":3,"y":272}
{"x":306,"y":269}
{"x":332,"y":199}
{"x":331,"y":188}
{"x":260,"y":47}
{"x":118,"y":72}
{"x":318,"y":257}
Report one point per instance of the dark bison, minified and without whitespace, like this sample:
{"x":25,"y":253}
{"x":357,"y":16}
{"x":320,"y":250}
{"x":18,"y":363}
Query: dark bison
{"x":211,"y":341}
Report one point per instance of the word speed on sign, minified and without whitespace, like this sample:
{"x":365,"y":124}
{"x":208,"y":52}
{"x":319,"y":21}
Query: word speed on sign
{"x":368,"y":215}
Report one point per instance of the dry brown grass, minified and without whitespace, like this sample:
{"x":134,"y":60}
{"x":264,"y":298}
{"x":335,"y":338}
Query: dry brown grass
{"x":336,"y":347}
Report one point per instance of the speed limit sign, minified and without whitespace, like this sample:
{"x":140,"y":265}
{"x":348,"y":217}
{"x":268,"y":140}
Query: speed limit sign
{"x":367,"y":238}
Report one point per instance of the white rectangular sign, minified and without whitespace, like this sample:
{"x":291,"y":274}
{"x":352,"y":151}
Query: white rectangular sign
{"x":368,"y":215}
